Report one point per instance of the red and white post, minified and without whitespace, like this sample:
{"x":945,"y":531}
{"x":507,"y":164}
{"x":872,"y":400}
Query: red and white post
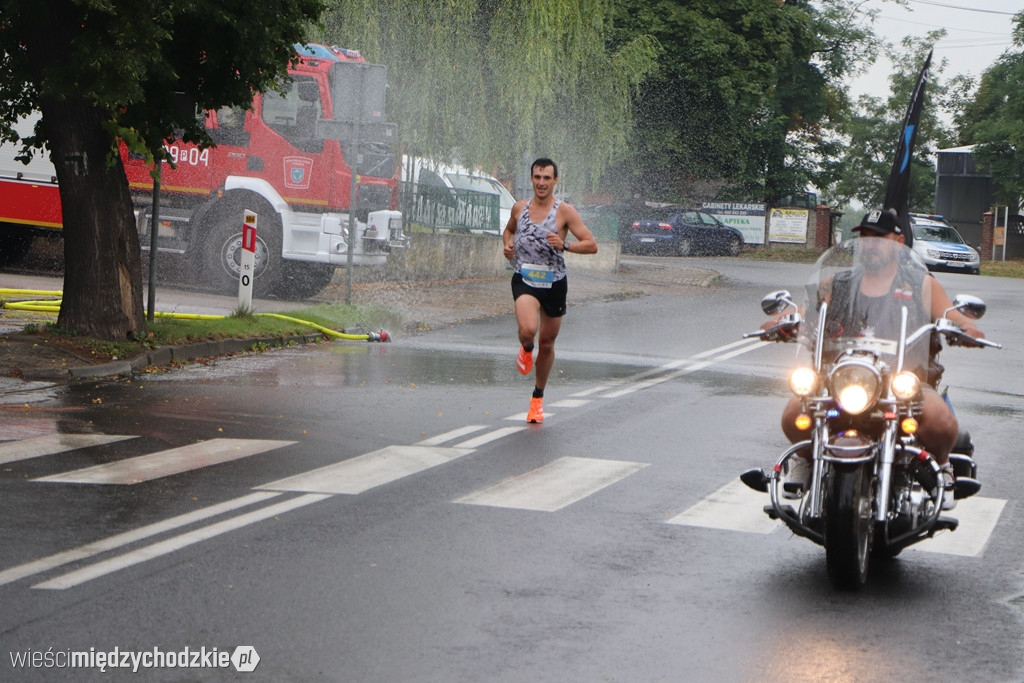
{"x":246,"y":266}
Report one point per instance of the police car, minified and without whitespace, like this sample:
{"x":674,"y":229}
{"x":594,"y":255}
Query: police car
{"x":941,"y":247}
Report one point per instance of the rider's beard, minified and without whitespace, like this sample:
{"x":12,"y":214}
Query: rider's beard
{"x":876,"y":256}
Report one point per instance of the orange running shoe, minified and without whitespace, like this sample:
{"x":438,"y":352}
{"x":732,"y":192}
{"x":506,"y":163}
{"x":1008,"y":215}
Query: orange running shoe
{"x":524,"y":361}
{"x":536,"y":413}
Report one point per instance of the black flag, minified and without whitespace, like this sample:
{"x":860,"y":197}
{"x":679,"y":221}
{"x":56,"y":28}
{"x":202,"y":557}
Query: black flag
{"x":897,"y":192}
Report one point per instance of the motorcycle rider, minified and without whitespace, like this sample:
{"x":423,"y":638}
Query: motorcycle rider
{"x":937,"y":425}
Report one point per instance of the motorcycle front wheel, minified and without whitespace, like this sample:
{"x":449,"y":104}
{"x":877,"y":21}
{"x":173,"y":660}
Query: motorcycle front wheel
{"x":849,"y":525}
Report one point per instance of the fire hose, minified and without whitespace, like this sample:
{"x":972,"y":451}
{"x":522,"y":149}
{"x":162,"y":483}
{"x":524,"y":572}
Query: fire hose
{"x":52,"y":305}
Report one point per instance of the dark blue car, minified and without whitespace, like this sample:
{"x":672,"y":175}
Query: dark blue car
{"x":687,"y":233}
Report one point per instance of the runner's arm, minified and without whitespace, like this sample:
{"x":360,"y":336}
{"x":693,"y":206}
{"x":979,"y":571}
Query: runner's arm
{"x":584,"y":242}
{"x":508,"y":248}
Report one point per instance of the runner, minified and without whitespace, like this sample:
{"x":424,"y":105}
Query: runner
{"x":536,"y":235}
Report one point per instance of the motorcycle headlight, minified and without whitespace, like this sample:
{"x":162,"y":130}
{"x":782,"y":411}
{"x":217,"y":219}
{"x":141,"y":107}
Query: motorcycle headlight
{"x":855,"y":386}
{"x":803,"y":382}
{"x":906,"y":386}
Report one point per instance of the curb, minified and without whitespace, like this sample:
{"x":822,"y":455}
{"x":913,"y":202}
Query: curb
{"x":166,"y":356}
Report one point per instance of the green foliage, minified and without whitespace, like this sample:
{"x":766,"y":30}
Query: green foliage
{"x":994,"y":121}
{"x":105,"y":71}
{"x":744,"y":94}
{"x":145,"y":64}
{"x":871,"y":133}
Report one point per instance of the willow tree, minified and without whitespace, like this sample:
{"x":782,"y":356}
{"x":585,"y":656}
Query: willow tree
{"x":492,"y":82}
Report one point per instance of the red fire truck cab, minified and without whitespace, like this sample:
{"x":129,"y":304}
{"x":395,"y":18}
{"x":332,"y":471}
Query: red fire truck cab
{"x":290,"y":158}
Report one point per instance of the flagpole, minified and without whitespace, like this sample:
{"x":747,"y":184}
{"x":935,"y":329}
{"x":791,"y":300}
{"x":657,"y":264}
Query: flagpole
{"x":897,"y":190}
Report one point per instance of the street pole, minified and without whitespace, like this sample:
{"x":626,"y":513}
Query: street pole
{"x":154,"y":227}
{"x":353,"y":189}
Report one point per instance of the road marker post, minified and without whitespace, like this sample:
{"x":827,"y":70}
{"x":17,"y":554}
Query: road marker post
{"x":247,"y":261}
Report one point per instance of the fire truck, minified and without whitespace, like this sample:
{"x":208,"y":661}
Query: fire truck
{"x":296,"y":158}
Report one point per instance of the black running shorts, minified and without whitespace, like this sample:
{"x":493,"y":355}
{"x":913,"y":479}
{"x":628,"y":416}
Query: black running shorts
{"x":552,"y":299}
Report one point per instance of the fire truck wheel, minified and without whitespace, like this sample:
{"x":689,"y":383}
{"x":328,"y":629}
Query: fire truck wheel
{"x":222,"y":249}
{"x":303,"y":280}
{"x":15,"y":246}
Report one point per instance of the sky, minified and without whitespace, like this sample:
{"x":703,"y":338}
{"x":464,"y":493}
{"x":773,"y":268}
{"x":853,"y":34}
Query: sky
{"x":978,"y":32}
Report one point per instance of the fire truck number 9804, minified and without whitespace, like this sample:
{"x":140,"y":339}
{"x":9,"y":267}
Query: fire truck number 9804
{"x":193,"y":156}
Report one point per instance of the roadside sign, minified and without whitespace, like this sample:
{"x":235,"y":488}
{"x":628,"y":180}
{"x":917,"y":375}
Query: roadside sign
{"x":247,"y":261}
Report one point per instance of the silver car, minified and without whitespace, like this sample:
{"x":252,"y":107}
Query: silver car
{"x":941,"y":247}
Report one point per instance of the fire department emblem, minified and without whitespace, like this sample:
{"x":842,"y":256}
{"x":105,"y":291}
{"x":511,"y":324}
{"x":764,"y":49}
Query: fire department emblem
{"x":297,"y":172}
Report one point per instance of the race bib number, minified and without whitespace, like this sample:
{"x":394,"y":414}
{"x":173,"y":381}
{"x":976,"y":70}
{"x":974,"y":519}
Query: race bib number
{"x":537,"y":276}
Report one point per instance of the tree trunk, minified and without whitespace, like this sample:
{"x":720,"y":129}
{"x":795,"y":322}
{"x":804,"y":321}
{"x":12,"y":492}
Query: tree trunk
{"x":102,"y":263}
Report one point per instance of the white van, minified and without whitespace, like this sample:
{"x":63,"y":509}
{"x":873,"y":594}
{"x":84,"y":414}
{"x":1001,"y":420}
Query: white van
{"x":454,"y":198}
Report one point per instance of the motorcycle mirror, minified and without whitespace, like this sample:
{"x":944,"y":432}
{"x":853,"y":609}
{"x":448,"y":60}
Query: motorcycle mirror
{"x":755,"y":479}
{"x":971,"y":306}
{"x":776,"y":302}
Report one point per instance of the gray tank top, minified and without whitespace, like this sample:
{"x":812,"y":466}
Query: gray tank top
{"x":531,"y":242}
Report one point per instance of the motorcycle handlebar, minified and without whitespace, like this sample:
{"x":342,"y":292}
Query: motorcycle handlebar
{"x":963,"y":339}
{"x":782,"y":330}
{"x":785,"y":329}
{"x":955,"y":335}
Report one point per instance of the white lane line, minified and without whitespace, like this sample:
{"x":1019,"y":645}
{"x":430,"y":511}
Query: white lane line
{"x":685,"y":366}
{"x":737,"y":352}
{"x":368,"y":471}
{"x":521,"y":417}
{"x":646,"y":384}
{"x":450,"y":436}
{"x":166,"y":463}
{"x":96,"y":547}
{"x":570,"y":403}
{"x":12,"y":451}
{"x":490,"y":436}
{"x":978,"y":518}
{"x":593,"y":390}
{"x":731,"y":345}
{"x":735,"y":507}
{"x":159,"y":548}
{"x":555,"y":485}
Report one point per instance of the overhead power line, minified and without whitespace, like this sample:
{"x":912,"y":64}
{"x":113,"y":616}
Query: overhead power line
{"x":948,"y":28}
{"x":966,"y":9}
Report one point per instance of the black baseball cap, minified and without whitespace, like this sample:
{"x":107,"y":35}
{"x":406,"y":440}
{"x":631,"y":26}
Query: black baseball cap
{"x":880,"y":222}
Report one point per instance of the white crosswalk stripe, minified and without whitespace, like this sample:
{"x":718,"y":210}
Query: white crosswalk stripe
{"x":978,"y":517}
{"x":165,"y":463}
{"x":37,"y":446}
{"x":735,"y":507}
{"x":555,"y":485}
{"x":368,"y":471}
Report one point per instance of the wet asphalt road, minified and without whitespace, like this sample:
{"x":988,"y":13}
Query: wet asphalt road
{"x":361,"y":512}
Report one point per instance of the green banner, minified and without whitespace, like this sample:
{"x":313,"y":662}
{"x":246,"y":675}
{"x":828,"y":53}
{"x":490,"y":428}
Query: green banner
{"x":444,"y":208}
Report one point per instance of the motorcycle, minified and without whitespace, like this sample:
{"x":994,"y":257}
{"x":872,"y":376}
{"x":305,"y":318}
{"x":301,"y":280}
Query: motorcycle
{"x":873,"y":490}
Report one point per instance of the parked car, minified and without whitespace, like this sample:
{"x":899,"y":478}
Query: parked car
{"x":941,"y":247}
{"x":685,"y":233}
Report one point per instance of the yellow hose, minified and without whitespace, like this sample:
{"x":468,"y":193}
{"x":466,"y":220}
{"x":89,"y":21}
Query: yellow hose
{"x":53,"y":306}
{"x":31,"y":292}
